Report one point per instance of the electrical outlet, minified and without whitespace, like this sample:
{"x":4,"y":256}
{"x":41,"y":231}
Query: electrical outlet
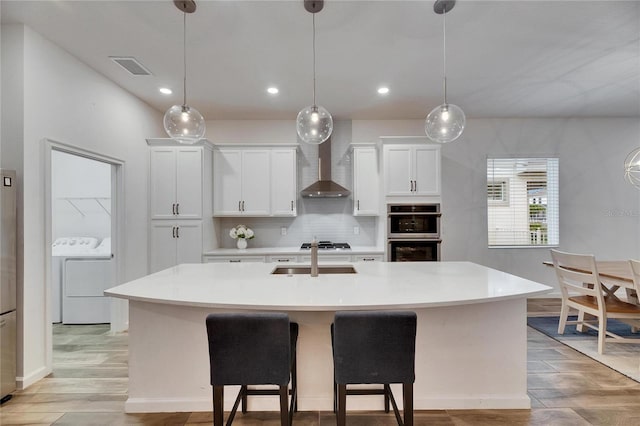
{"x":356,"y":230}
{"x":283,"y":230}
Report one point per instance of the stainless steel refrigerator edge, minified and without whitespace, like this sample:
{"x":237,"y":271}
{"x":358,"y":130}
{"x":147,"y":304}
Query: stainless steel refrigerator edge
{"x":8,"y":225}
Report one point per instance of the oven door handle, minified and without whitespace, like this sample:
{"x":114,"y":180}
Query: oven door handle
{"x":415,"y":214}
{"x":413,"y":240}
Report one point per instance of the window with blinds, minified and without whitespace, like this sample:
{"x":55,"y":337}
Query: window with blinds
{"x":522,"y":202}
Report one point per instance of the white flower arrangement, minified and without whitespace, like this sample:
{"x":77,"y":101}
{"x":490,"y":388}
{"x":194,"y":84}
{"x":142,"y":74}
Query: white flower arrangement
{"x":241,"y":231}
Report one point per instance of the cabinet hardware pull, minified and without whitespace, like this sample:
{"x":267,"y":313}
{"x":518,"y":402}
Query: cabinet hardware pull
{"x":177,"y":232}
{"x":239,"y":206}
{"x":368,"y":259}
{"x":415,"y":186}
{"x":410,"y":186}
{"x":291,"y":205}
{"x":243,"y":205}
{"x":173,"y":231}
{"x":178,"y":208}
{"x":358,"y":204}
{"x":235,"y":260}
{"x":173,"y":209}
{"x":283,"y":260}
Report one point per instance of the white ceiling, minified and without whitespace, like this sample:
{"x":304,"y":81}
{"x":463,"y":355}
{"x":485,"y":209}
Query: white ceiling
{"x":504,"y":58}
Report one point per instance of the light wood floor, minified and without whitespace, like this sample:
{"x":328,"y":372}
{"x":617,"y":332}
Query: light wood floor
{"x":89,"y":386}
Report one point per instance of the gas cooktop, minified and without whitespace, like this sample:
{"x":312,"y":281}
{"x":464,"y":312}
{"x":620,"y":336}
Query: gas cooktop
{"x":327,"y":245}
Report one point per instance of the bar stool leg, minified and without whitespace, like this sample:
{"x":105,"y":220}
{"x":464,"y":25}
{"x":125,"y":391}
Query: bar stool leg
{"x":342,"y":405}
{"x":218,"y":405}
{"x":407,"y":402}
{"x":244,"y":399}
{"x":284,"y":405}
{"x":294,"y":381}
{"x":387,"y":390}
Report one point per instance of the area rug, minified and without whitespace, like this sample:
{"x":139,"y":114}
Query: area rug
{"x":624,"y":358}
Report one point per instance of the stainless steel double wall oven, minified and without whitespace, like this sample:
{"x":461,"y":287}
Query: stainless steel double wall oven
{"x":413,"y":232}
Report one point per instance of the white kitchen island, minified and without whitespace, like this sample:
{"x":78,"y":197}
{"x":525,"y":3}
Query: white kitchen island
{"x":471,"y":345}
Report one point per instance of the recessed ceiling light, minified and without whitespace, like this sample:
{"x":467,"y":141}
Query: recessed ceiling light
{"x":383,"y":90}
{"x":273,"y":90}
{"x":166,"y":91}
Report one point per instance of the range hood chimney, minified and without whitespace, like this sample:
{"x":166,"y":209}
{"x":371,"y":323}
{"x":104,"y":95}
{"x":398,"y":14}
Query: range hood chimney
{"x":324,"y":187}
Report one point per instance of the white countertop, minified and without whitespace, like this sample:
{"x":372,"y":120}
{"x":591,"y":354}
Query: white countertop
{"x":376,"y":285}
{"x":267,"y":251}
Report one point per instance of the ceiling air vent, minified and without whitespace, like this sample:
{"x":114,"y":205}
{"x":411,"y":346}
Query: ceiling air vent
{"x":130,"y":64}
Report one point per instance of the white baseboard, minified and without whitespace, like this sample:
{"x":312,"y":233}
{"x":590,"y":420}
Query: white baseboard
{"x":166,"y":405}
{"x":488,"y":402}
{"x":261,"y":403}
{"x":23,"y":382}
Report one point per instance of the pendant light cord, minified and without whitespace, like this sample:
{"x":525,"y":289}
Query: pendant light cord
{"x":184,"y":58}
{"x":444,"y":52}
{"x":314,"y":58}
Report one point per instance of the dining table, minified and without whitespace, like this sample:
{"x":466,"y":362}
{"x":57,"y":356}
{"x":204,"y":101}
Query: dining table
{"x":614,"y":275}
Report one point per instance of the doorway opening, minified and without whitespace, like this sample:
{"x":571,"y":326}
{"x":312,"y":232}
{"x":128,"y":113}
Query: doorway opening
{"x":83,"y":238}
{"x":82,"y":263}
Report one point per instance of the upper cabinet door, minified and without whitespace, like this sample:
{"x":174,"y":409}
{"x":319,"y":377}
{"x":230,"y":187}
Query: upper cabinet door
{"x":189,"y":183}
{"x":256,"y":182}
{"x":284,"y":188}
{"x":366,"y":184}
{"x":176,"y":183}
{"x":398,"y":165}
{"x":163,"y":183}
{"x":412,"y":170}
{"x":427,"y":170}
{"x":227,"y":192}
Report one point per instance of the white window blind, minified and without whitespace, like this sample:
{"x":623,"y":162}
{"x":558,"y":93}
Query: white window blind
{"x":522,"y":202}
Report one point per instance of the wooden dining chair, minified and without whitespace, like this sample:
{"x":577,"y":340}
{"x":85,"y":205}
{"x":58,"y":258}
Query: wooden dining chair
{"x":581,"y":289}
{"x":635,"y":273}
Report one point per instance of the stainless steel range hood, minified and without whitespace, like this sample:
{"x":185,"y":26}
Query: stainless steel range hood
{"x":324,"y":187}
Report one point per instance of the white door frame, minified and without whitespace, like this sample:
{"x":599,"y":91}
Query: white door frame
{"x":119,"y":310}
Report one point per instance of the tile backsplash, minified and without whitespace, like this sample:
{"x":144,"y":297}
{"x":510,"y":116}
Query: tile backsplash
{"x":325,"y":219}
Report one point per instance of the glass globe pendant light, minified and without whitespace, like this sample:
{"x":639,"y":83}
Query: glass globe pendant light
{"x":182,"y":122}
{"x":632,"y":168}
{"x":446,"y":122}
{"x":314,"y":124}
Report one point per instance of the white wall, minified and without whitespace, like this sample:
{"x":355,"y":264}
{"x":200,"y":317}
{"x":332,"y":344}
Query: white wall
{"x":66,"y":101}
{"x":81,"y":196}
{"x":599,"y":211}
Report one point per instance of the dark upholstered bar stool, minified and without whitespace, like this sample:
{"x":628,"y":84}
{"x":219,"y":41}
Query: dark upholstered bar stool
{"x":252,"y":349}
{"x":374,"y":347}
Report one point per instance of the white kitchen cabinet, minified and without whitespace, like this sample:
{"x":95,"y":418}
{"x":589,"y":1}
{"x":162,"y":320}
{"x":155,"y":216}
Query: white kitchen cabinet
{"x":234,"y":259}
{"x":284,"y":188}
{"x":282,"y":259}
{"x":242,"y":182}
{"x":366,"y":184}
{"x":174,"y":242}
{"x":175,"y":182}
{"x":411,"y":170}
{"x":368,"y":258}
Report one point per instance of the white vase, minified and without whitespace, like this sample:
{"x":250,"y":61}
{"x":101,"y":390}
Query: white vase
{"x":241,"y":243}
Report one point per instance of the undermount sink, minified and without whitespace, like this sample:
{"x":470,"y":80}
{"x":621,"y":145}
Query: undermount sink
{"x":297,"y":270}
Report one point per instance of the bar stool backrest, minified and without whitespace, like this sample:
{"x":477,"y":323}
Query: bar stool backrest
{"x":249,"y":348}
{"x":374,"y":347}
